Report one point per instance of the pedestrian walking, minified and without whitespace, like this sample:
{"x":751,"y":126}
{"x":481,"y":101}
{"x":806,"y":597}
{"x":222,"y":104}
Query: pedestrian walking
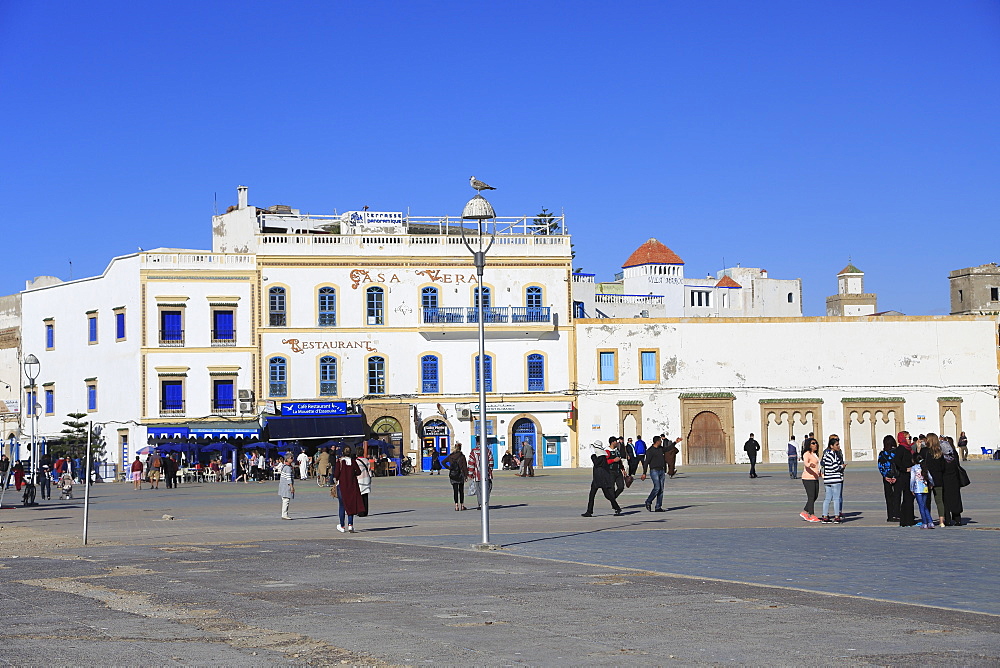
{"x":18,"y":470}
{"x":303,"y":462}
{"x":963,"y":446}
{"x":656,"y":464}
{"x":752,"y":447}
{"x":458,"y":471}
{"x":640,"y":454}
{"x":347,"y":490}
{"x":810,"y":479}
{"x":155,"y":470}
{"x":793,"y":458}
{"x":482,"y":491}
{"x":832,"y":467}
{"x":890,"y":476}
{"x":616,"y":463}
{"x":45,"y":476}
{"x":4,"y":471}
{"x":527,"y":460}
{"x":324,"y":467}
{"x":670,"y":452}
{"x":364,"y":482}
{"x":170,"y":467}
{"x":286,"y":486}
{"x":436,"y":461}
{"x":136,"y":472}
{"x":604,"y":480}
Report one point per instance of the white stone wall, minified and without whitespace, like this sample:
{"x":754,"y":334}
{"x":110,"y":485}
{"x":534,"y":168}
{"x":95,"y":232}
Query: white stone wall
{"x":115,"y":364}
{"x":919,"y":359}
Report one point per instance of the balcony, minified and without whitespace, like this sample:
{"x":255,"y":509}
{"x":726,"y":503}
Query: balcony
{"x":494,"y":314}
{"x":276,"y":319}
{"x":222,"y":338}
{"x":171,"y":338}
{"x":278,"y":389}
{"x":227,"y":408}
{"x":168,"y":408}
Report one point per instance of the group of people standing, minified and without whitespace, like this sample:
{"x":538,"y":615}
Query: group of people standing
{"x":916,"y":471}
{"x":352,"y":483}
{"x":611,"y":477}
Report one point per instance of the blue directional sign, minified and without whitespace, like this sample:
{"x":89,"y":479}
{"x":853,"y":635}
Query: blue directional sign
{"x":310,"y":408}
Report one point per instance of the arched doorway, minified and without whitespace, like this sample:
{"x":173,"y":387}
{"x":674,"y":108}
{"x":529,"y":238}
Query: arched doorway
{"x":388,"y":430}
{"x":524,"y":430}
{"x":706,"y":443}
{"x":435,"y":435}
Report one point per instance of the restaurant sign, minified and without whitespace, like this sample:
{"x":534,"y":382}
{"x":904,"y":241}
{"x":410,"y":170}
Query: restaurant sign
{"x":309,"y":408}
{"x":299,"y":345}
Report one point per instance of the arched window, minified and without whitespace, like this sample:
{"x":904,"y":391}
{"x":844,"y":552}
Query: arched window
{"x":429,"y":297}
{"x":328,"y":376}
{"x":486,"y":297}
{"x":488,"y":369}
{"x":277,"y":374}
{"x":790,"y":298}
{"x":429,"y":304}
{"x":327,"y":307}
{"x":376,"y":374}
{"x":375,"y":306}
{"x":429,"y":374}
{"x":536,"y":373}
{"x":276,"y":307}
{"x":533,"y":297}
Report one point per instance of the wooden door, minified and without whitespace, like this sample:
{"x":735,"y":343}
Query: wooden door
{"x":706,"y":444}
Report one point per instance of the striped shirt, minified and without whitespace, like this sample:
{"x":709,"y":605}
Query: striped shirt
{"x":832,"y":466}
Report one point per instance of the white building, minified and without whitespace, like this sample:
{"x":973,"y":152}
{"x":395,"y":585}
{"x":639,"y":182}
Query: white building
{"x":653,"y":285}
{"x":716,"y":381}
{"x":299,"y":329}
{"x":303,"y":315}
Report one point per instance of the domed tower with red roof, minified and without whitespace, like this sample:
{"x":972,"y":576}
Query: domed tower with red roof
{"x":654,"y":269}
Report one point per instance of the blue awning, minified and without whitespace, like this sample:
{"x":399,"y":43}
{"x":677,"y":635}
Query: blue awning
{"x":169,"y":434}
{"x":296,"y":428}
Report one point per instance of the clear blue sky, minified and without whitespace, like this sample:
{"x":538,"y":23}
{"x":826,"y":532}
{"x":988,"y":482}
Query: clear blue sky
{"x":784,"y":135}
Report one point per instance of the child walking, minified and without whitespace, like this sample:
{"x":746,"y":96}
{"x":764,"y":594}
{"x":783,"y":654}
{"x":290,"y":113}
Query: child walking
{"x":921,"y":484}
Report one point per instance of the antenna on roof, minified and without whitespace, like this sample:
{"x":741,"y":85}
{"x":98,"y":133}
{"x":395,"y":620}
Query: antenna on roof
{"x":215,"y":196}
{"x":71,"y":270}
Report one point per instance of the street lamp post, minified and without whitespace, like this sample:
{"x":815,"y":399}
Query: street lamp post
{"x":480,"y":210}
{"x":32,"y":367}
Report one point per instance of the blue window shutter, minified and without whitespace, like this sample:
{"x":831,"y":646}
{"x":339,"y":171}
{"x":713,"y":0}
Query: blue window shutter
{"x":607,"y":366}
{"x":536,"y":373}
{"x":648,"y":365}
{"x":429,"y":374}
{"x":173,"y":394}
{"x":92,"y":329}
{"x":50,"y":401}
{"x":223,"y":325}
{"x":91,"y":397}
{"x":171,"y":325}
{"x":119,"y":325}
{"x":224,"y":394}
{"x":50,"y":336}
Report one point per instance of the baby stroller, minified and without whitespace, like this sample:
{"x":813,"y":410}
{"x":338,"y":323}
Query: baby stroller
{"x":65,"y":485}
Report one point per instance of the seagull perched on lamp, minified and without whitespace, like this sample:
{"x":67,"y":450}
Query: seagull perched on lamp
{"x":479,"y":185}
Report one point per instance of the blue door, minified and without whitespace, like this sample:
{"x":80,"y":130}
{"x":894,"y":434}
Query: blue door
{"x":524,"y":430}
{"x":552,"y":454}
{"x":436,"y":435}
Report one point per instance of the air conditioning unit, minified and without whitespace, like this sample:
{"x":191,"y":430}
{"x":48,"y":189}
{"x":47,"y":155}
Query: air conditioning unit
{"x":245,"y":395}
{"x":465,"y":414}
{"x":247,"y":407}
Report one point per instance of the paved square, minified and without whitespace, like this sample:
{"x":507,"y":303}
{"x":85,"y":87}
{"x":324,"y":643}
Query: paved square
{"x":730,"y":574}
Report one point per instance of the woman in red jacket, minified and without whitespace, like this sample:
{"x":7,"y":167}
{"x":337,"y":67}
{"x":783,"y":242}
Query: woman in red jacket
{"x":348,"y":492}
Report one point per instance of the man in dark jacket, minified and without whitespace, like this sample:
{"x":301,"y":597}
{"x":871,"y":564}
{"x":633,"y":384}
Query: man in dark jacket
{"x":603,"y":480}
{"x":656,"y":464}
{"x":902,"y":461}
{"x":752,"y":447}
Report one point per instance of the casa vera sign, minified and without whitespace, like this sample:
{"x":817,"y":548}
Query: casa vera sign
{"x":300,"y":346}
{"x":362,"y":276}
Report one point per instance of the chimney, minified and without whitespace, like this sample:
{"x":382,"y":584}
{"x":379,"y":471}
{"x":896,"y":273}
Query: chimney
{"x":241,"y":197}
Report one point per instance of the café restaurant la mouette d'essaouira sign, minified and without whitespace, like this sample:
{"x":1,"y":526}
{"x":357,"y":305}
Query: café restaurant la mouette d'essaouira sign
{"x":312,"y":408}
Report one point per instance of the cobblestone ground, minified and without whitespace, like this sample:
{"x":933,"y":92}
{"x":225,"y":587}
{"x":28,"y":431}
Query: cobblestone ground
{"x":208,"y":574}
